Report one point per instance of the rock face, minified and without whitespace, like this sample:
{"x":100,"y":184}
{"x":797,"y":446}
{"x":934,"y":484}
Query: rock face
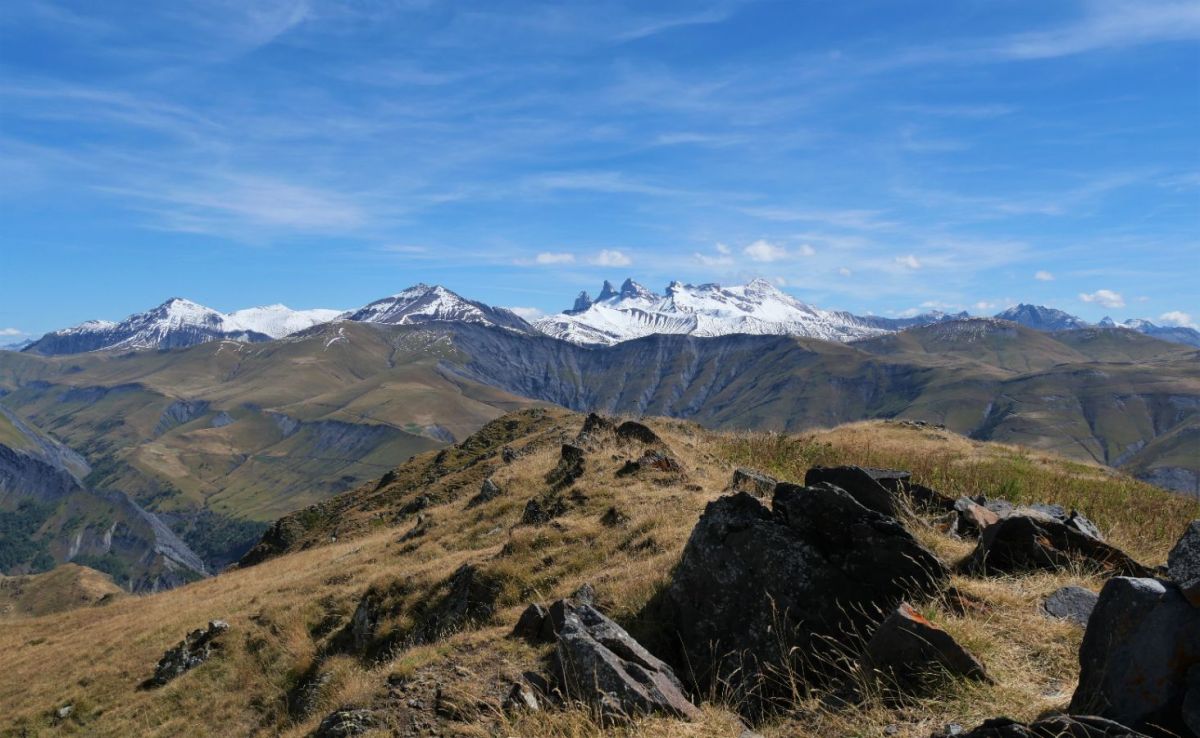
{"x":1059,"y":726}
{"x":754,"y":582}
{"x":1071,"y":603}
{"x":914,"y":652}
{"x":598,"y":662}
{"x":1141,"y":641}
{"x":1183,"y":563}
{"x":753,"y":482}
{"x":192,"y":651}
{"x":1028,"y":540}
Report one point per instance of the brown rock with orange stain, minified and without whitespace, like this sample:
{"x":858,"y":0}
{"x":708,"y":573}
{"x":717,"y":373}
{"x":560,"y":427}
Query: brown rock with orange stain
{"x":912,"y":650}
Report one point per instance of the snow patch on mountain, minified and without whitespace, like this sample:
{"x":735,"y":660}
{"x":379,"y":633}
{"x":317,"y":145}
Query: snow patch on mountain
{"x":757,"y":308}
{"x":278,"y":321}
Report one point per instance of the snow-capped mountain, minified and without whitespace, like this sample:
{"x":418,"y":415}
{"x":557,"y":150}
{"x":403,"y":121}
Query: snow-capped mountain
{"x":423,"y":303}
{"x":178,"y":323}
{"x":1041,"y":318}
{"x":633,"y":311}
{"x":1172,"y":333}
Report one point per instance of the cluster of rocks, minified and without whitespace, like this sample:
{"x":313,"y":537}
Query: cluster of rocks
{"x":193,"y":650}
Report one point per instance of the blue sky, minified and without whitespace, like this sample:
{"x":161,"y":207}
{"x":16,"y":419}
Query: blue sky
{"x":881,"y":157}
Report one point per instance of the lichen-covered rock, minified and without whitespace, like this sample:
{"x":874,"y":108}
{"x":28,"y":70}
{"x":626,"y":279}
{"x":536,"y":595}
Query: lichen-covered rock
{"x":597,"y":662}
{"x":1141,"y":642}
{"x":1071,"y":603}
{"x":914,"y":652}
{"x":753,"y":482}
{"x":346,"y":722}
{"x":758,"y":587}
{"x":1183,"y":563}
{"x":1030,"y":541}
{"x":193,"y":650}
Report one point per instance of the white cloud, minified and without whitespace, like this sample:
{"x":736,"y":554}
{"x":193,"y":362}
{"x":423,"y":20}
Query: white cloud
{"x":547,"y":257}
{"x":713,"y":261}
{"x":844,"y":271}
{"x":11,"y":332}
{"x":762,"y":250}
{"x":985,"y":305}
{"x":1105,"y":298}
{"x":1043,"y":276}
{"x":908,"y":261}
{"x":722,"y":249}
{"x":806,"y":250}
{"x":1178,"y":318}
{"x":528,"y":313}
{"x":611,"y":258}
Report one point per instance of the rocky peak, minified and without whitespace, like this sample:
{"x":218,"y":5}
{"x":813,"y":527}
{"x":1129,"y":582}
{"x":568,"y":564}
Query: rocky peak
{"x":607,"y":292}
{"x":583,"y":301}
{"x":632,"y":290}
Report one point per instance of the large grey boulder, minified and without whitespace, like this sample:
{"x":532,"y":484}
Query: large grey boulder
{"x":1027,"y":540}
{"x":913,"y":652}
{"x":193,"y":650}
{"x":1071,"y":603}
{"x":597,"y":662}
{"x":1141,"y":641}
{"x":1183,"y":563}
{"x":759,"y":589}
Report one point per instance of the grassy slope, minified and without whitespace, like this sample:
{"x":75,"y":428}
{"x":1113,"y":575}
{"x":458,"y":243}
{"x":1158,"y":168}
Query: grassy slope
{"x":65,"y":587}
{"x":284,"y":611}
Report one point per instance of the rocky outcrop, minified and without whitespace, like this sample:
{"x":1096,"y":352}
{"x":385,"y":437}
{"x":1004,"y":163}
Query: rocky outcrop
{"x":1183,"y":563}
{"x":759,"y":590}
{"x":1059,"y":726}
{"x":569,"y":468}
{"x":1027,"y":540}
{"x":193,"y":650}
{"x":1141,"y":643}
{"x":913,"y":653}
{"x":1071,"y":603}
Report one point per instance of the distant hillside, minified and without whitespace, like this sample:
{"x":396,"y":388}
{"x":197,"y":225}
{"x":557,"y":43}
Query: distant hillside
{"x":49,"y":516}
{"x":63,"y":588}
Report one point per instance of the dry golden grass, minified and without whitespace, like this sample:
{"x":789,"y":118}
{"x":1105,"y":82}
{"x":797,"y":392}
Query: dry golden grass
{"x":285,"y":611}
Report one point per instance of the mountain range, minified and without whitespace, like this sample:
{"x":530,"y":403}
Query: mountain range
{"x":613,"y":316}
{"x":210,"y":442}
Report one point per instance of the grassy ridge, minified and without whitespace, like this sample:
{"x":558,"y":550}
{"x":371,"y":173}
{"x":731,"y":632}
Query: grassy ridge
{"x":286,"y":612}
